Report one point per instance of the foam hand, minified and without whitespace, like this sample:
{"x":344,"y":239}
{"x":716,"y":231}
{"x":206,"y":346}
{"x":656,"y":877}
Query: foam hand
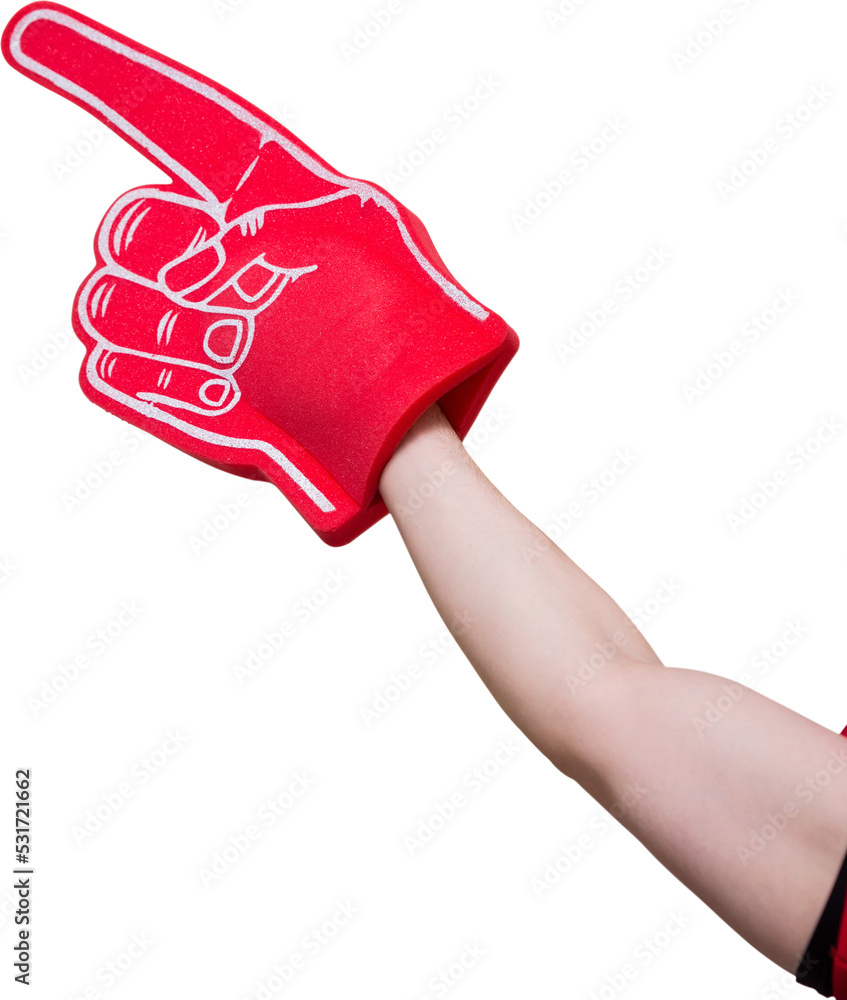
{"x":262,"y":312}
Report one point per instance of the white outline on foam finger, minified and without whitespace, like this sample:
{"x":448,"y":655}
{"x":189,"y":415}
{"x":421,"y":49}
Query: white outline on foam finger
{"x":223,"y":359}
{"x":145,"y":402}
{"x":209,"y":203}
{"x":149,"y":410}
{"x":121,"y":226}
{"x":364,"y":190}
{"x":273,"y":287}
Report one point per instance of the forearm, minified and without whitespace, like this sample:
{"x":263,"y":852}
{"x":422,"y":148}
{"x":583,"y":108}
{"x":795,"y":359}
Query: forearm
{"x":636,"y":736}
{"x":526,"y":616}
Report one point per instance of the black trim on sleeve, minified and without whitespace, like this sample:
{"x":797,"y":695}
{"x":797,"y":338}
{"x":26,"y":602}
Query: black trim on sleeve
{"x":815,"y":968}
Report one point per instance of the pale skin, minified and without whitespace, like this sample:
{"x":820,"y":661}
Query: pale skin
{"x":526,"y":615}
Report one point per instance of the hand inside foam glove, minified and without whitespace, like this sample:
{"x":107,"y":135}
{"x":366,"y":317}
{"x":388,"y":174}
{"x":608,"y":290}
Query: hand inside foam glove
{"x":263,"y":312}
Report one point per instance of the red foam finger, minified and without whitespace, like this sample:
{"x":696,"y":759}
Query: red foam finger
{"x":165,"y":383}
{"x":195,"y":130}
{"x":146,"y":233}
{"x":264,"y":313}
{"x":236,"y":438}
{"x":137,"y":318}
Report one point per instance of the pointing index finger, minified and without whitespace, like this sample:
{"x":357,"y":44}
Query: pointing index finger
{"x":194,"y":129}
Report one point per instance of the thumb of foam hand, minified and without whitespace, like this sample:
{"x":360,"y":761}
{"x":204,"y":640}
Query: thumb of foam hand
{"x":262,"y":312}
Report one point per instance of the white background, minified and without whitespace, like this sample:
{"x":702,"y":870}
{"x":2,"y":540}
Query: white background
{"x":554,"y":424}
